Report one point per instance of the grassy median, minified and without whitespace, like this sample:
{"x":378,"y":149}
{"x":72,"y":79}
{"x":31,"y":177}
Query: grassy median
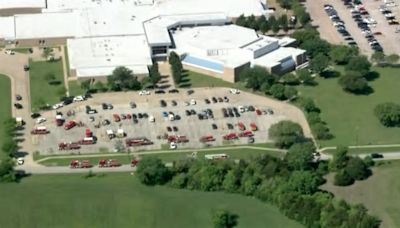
{"x":5,"y":105}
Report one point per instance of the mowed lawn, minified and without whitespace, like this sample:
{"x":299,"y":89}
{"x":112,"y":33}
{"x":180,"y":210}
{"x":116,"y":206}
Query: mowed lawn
{"x":119,"y":200}
{"x":350,"y":117}
{"x":75,"y":88}
{"x":379,"y":193}
{"x":194,"y":79}
{"x":166,"y":157}
{"x":40,"y":87}
{"x":5,"y":105}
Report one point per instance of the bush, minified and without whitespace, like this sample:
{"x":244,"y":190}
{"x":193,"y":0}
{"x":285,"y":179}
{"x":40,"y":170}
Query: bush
{"x":308,"y":105}
{"x":286,"y":133}
{"x":313,"y":118}
{"x":321,"y":131}
{"x":152,"y":171}
{"x":388,"y":114}
{"x":290,"y":92}
{"x":278,"y":91}
{"x":354,"y":82}
{"x":342,"y":178}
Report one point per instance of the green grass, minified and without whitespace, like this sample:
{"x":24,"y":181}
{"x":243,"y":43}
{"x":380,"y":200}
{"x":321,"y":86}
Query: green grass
{"x":368,"y":150}
{"x":21,"y":50}
{"x":379,"y":193}
{"x":40,"y":88}
{"x":75,"y":88}
{"x":193,"y":79}
{"x":5,"y":105}
{"x":350,"y":117}
{"x":119,"y":200}
{"x":166,"y":157}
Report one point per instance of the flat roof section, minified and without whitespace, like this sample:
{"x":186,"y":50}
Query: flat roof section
{"x":49,"y":25}
{"x":100,"y":55}
{"x":7,"y":30}
{"x":15,"y":4}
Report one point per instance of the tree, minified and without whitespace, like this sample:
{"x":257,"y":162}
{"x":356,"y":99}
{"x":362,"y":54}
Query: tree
{"x":283,"y":21}
{"x":304,"y":182}
{"x":241,"y":21}
{"x":290,"y":92}
{"x":316,"y":47}
{"x":308,"y":104}
{"x":313,"y":118}
{"x":7,"y":172}
{"x":99,"y":86}
{"x":321,"y":131}
{"x":340,"y":158}
{"x":354,"y":82}
{"x":46,"y":52}
{"x":359,"y":64}
{"x":290,"y":79}
{"x":152,"y":171}
{"x":342,"y":178}
{"x":341,"y":54}
{"x":305,"y":77}
{"x":224,"y":219}
{"x":300,"y":156}
{"x":357,"y":169}
{"x":256,"y":76}
{"x":319,"y":63}
{"x":388,"y":114}
{"x":154,"y":73}
{"x":9,"y":146}
{"x":393,"y":58}
{"x":85,"y":85}
{"x":286,"y":133}
{"x":121,"y":78}
{"x":378,"y":57}
{"x":278,"y":91}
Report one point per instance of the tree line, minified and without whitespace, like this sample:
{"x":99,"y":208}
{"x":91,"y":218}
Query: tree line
{"x":9,"y":147}
{"x":176,"y":67}
{"x":291,"y":184}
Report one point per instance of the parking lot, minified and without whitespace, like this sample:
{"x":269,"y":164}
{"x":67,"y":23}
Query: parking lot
{"x":363,"y":25}
{"x":263,"y":112}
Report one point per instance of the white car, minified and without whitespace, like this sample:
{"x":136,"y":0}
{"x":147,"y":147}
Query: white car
{"x":173,"y":145}
{"x":57,"y":106}
{"x":78,"y":98}
{"x":40,"y":120}
{"x":193,"y":102}
{"x":241,"y":109}
{"x":234,"y":91}
{"x":9,"y":52}
{"x":186,"y":103}
{"x":20,"y":161}
{"x":144,"y":92}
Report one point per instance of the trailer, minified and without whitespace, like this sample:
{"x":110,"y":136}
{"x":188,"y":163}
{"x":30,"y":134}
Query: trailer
{"x":246,"y":134}
{"x":87,"y":141}
{"x":42,"y":130}
{"x":230,"y":136}
{"x":207,"y":138}
{"x":69,"y":146}
{"x":76,"y":164}
{"x":178,"y":139}
{"x":216,"y":156}
{"x":138,"y":142}
{"x":109,"y":163}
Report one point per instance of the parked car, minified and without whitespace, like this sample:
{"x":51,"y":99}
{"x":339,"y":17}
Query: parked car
{"x":144,"y":92}
{"x":376,"y":155}
{"x":18,"y":97}
{"x":78,"y":98}
{"x":173,"y":91}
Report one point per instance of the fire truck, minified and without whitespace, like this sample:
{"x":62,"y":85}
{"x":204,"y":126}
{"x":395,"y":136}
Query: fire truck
{"x":138,"y":142}
{"x":87,"y":141}
{"x":70,"y":124}
{"x":69,"y":146}
{"x":178,"y":139}
{"x":109,"y":163}
{"x":207,"y":138}
{"x":230,"y":136}
{"x":42,"y":130}
{"x":76,"y":164}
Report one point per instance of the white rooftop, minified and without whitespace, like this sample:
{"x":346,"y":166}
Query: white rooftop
{"x":14,"y":4}
{"x":7,"y":30}
{"x":274,"y":58}
{"x":100,"y":56}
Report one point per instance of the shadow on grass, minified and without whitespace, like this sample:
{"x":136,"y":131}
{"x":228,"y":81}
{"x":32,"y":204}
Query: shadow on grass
{"x":185,"y":85}
{"x":372,"y":75}
{"x":367,"y":91}
{"x":330,"y":74}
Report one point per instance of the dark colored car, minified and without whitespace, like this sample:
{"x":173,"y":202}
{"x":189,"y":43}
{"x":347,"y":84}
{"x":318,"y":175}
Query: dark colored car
{"x":214,"y":126}
{"x":173,"y":91}
{"x":376,"y":155}
{"x":18,"y":97}
{"x":18,"y":106}
{"x":163,"y":103}
{"x":187,"y":112}
{"x":174,"y":128}
{"x":174,"y":103}
{"x":35,"y":115}
{"x":169,"y":129}
{"x":159,"y":92}
{"x":207,"y":101}
{"x":230,"y":126}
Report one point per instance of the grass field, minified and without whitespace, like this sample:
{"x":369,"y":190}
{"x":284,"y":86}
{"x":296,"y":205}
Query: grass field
{"x":368,"y":150}
{"x":5,"y":104}
{"x":118,"y":200}
{"x":40,"y":87}
{"x":75,"y":88}
{"x":166,"y":157}
{"x":21,"y":50}
{"x":350,"y":117}
{"x":379,"y":193}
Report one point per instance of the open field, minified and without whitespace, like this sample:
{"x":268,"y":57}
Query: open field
{"x":350,"y":117}
{"x":5,"y":104}
{"x":379,"y":193}
{"x":40,"y":87}
{"x":118,"y":200}
{"x":166,"y":157}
